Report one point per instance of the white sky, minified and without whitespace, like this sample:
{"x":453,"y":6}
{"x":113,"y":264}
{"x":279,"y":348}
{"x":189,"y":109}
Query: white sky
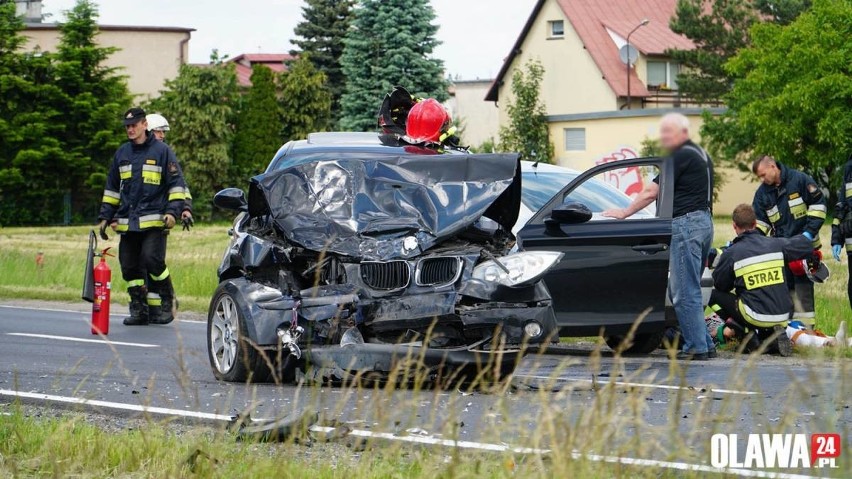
{"x":476,"y":34}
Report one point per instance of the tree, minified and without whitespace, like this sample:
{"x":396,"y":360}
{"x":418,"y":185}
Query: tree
{"x":95,"y":96}
{"x":527,"y":132}
{"x":390,"y":43}
{"x":719,"y":29}
{"x":305,"y":100}
{"x":792,"y":92}
{"x":200,"y":105}
{"x":321,"y":36}
{"x":718,"y":33}
{"x":257,"y":131}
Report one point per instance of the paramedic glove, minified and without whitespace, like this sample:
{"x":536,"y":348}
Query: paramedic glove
{"x":835,"y":250}
{"x":102,"y":226}
{"x":808,"y":235}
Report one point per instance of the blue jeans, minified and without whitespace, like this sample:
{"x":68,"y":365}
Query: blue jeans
{"x":692,"y":236}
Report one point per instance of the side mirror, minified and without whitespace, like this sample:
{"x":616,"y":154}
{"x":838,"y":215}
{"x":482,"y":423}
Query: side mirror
{"x":231,"y":199}
{"x":571,"y":213}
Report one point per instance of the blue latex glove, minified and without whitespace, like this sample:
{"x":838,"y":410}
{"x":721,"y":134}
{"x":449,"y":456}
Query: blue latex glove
{"x":835,"y":250}
{"x":808,"y":235}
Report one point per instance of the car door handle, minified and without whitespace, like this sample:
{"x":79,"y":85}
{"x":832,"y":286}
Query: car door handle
{"x":651,"y":248}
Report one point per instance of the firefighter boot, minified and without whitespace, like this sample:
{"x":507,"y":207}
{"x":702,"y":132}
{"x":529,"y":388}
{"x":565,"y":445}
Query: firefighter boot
{"x":168,"y":305}
{"x":138,"y":307}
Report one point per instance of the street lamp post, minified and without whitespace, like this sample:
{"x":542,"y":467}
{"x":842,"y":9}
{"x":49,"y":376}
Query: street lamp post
{"x":637,"y":27}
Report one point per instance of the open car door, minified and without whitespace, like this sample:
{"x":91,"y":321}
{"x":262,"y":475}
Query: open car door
{"x":613,"y":271}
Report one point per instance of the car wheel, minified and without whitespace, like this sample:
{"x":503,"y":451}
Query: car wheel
{"x":232,"y":358}
{"x":641,"y":344}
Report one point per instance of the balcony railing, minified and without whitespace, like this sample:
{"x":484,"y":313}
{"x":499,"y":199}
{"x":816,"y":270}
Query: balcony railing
{"x":664,"y":98}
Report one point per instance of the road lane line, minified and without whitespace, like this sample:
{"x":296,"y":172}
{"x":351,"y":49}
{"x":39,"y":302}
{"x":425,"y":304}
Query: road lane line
{"x":116,"y":405}
{"x":87,"y":313}
{"x":425,"y":440}
{"x":83,"y":340}
{"x":640,"y":385}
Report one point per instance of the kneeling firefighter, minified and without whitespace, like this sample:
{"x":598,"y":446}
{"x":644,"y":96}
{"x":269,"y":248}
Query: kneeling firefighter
{"x":144,"y":195}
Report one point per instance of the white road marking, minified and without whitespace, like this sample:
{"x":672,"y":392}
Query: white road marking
{"x":116,"y":405}
{"x":83,"y":340}
{"x":426,"y":440}
{"x":87,"y":313}
{"x":639,"y":385}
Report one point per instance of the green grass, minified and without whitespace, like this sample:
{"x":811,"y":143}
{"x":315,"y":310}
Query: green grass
{"x":192,"y":258}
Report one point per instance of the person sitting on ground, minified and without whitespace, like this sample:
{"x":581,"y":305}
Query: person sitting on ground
{"x":753,"y":267}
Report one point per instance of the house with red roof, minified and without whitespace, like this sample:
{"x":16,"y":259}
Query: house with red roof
{"x":277,"y":62}
{"x":599,"y":108}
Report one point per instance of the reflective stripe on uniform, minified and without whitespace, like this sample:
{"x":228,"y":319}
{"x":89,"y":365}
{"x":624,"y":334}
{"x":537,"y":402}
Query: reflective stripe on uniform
{"x":162,"y":276}
{"x":797,"y":207}
{"x":124,"y":172}
{"x":186,"y":194}
{"x":762,"y":320}
{"x":123,"y":225}
{"x":808,"y":318}
{"x":177,"y":193}
{"x":135,"y":282}
{"x":150,"y":221}
{"x":755,"y":262}
{"x":849,"y":245}
{"x":152,"y":174}
{"x":763,"y":227}
{"x":111,"y":197}
{"x":817,"y":211}
{"x":154,"y":299}
{"x":849,"y":190}
{"x":835,"y":222}
{"x":773,"y":214}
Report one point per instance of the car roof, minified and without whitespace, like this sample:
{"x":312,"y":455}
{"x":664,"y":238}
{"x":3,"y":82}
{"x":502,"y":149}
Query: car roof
{"x":354,"y":142}
{"x":539,"y":167}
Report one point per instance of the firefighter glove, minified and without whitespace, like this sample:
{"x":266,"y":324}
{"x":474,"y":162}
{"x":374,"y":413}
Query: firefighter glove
{"x":169,"y":221}
{"x":102,"y":226}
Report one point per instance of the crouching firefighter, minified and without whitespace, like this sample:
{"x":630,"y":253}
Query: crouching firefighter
{"x":144,"y":195}
{"x":754,"y":268}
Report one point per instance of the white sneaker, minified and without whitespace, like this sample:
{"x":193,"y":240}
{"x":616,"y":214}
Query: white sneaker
{"x":841,"y":335}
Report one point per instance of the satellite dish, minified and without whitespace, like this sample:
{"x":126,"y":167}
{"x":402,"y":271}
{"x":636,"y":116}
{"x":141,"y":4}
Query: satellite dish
{"x":628,"y":53}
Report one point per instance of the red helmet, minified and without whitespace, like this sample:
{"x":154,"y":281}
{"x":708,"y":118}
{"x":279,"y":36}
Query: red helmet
{"x":427,"y":121}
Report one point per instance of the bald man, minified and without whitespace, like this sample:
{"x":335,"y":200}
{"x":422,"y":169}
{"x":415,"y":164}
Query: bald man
{"x":692,"y":231}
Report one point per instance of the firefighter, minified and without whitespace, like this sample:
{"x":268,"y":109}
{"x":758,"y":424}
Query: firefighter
{"x":144,"y":195}
{"x":787,"y":204}
{"x":841,"y":228}
{"x":754,"y":267}
{"x":158,"y":125}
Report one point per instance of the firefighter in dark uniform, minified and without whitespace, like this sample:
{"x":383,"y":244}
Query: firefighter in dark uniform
{"x":144,"y":195}
{"x":754,"y":267}
{"x":787,"y":204}
{"x":841,"y":228}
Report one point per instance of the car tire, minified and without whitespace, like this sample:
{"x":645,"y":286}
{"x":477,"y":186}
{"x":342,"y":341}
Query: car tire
{"x":232,"y":357}
{"x":641,"y":344}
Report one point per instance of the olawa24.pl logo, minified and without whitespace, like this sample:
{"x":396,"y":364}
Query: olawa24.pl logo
{"x":775,"y":451}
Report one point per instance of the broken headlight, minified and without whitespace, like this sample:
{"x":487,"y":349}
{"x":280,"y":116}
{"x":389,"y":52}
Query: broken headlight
{"x":519,"y":269}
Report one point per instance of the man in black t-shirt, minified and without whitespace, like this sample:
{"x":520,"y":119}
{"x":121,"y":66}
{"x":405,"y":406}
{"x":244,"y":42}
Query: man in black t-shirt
{"x":692,"y":231}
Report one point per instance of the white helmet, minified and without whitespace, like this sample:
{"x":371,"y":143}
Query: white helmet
{"x":157,"y":122}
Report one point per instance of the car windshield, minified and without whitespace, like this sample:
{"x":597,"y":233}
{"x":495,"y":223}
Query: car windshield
{"x":540,"y":187}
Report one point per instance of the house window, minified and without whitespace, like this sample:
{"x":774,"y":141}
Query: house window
{"x":557,"y":28}
{"x":662,"y":73}
{"x":575,"y":139}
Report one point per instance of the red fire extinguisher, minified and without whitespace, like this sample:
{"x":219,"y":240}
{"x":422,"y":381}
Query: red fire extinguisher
{"x":100,"y":306}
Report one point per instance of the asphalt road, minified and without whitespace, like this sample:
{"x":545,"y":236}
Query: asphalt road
{"x":653,"y":399}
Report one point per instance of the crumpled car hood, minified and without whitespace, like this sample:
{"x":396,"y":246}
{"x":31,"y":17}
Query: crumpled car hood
{"x":370,"y":207}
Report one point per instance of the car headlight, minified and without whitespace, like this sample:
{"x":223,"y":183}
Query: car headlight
{"x":517,"y":269}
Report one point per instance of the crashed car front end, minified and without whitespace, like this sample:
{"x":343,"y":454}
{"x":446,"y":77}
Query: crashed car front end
{"x":358,"y":262}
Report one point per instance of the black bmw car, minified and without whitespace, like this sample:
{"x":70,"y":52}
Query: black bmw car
{"x":355,"y":252}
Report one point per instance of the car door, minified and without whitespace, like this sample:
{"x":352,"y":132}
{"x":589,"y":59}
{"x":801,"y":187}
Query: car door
{"x":613,"y":270}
